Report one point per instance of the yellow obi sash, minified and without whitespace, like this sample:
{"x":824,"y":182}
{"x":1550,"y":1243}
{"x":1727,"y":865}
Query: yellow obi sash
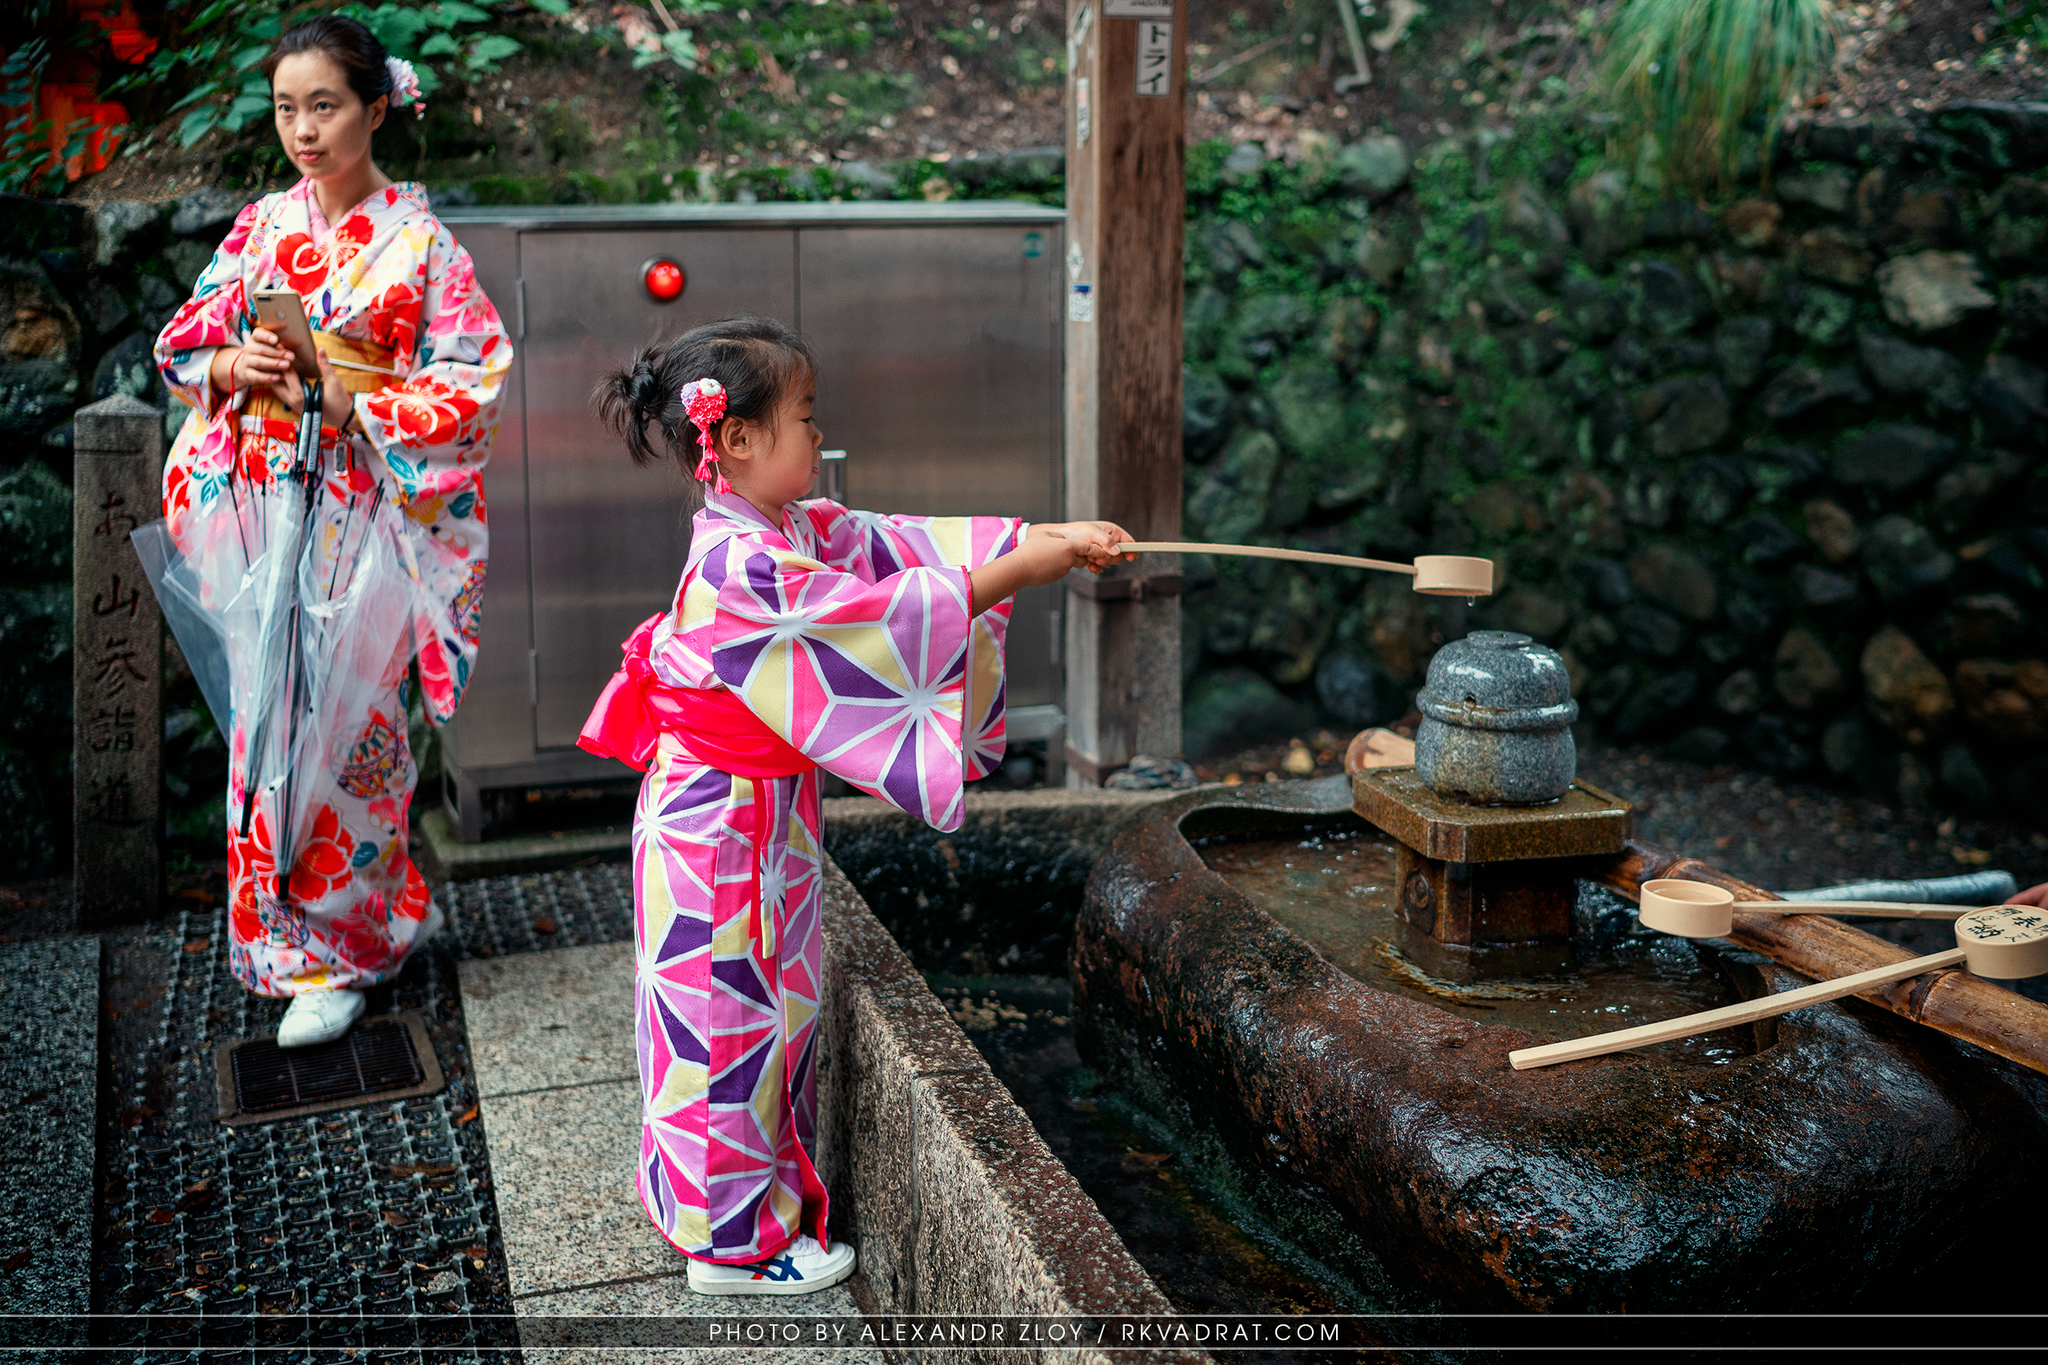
{"x":363,"y":366}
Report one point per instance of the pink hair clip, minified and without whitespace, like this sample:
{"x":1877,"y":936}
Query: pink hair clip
{"x":704,"y":401}
{"x":405,"y":86}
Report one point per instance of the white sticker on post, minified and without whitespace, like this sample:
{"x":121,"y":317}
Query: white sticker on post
{"x":1138,"y":9}
{"x":1080,"y":302}
{"x":1155,"y":57}
{"x":1080,"y":111}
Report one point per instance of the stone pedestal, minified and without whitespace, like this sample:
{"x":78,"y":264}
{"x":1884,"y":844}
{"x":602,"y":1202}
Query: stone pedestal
{"x":1488,"y":874}
{"x":117,"y":665}
{"x":1469,"y":903}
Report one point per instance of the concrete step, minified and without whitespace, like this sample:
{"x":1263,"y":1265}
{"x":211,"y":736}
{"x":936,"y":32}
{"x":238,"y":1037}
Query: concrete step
{"x":551,"y":1038}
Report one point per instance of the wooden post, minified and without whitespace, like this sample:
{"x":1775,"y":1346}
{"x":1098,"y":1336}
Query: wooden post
{"x":1126,"y":199}
{"x":117,"y":665}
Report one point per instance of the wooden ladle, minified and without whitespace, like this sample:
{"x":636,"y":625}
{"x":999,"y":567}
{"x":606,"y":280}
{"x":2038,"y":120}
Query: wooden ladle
{"x":1437,"y":575}
{"x":1691,"y":909}
{"x":2004,"y":942}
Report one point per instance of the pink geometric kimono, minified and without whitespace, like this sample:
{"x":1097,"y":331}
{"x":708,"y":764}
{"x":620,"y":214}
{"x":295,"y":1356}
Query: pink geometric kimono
{"x":389,"y":275}
{"x":849,"y":634}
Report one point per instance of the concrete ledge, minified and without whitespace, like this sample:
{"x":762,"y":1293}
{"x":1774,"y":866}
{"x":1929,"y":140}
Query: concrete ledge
{"x":1080,"y":822}
{"x":442,"y":857}
{"x":957,"y":1204}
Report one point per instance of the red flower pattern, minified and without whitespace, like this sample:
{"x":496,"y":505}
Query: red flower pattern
{"x":423,"y":412}
{"x":323,"y":865}
{"x":304,"y":265}
{"x":394,"y":319}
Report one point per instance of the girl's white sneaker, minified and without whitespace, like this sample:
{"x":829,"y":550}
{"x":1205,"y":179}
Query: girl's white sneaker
{"x":318,"y":1016}
{"x":802,"y":1267}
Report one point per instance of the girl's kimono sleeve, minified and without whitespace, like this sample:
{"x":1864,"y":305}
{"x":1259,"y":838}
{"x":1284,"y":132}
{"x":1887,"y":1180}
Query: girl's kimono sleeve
{"x":866,"y":679}
{"x":434,"y":433}
{"x":216,"y":315}
{"x":872,"y":545}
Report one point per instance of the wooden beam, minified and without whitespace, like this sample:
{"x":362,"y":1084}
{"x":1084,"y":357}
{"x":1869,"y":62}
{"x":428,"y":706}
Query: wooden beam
{"x":1126,"y":200}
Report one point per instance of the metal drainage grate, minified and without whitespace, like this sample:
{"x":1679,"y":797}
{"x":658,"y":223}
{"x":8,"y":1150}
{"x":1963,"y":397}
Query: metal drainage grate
{"x":389,"y":1058}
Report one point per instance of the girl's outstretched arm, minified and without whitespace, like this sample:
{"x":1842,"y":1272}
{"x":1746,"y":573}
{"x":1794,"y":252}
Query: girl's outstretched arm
{"x":1046,"y":556}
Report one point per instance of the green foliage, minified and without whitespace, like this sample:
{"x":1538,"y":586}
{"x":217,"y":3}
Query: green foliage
{"x":209,"y":62}
{"x":1699,"y":76}
{"x":25,"y":167}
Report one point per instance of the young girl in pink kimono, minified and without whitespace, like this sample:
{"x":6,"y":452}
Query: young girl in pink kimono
{"x":803,"y":636}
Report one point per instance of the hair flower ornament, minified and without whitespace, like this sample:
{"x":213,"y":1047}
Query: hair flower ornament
{"x":704,"y":401}
{"x":405,"y":86}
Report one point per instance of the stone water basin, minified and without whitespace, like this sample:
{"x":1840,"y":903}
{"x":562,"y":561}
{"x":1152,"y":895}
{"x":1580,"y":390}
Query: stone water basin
{"x":1831,"y":1161}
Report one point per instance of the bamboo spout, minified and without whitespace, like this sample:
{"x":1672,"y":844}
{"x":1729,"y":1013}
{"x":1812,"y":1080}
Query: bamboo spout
{"x":1950,"y":1000}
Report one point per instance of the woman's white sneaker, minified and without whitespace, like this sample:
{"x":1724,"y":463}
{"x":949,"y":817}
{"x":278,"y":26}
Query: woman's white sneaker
{"x":802,"y":1267}
{"x":318,"y":1016}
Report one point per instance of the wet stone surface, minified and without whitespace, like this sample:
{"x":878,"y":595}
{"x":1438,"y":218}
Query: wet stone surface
{"x":381,"y":1209}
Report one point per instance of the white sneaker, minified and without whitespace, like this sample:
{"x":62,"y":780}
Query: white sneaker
{"x":802,"y":1267}
{"x":318,"y":1016}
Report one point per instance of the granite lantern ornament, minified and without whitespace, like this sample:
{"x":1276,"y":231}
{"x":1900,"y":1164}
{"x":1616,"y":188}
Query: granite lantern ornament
{"x":1497,"y":712}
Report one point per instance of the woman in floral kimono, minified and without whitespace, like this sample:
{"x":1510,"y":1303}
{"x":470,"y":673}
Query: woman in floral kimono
{"x":802,"y":636}
{"x":412,"y":362}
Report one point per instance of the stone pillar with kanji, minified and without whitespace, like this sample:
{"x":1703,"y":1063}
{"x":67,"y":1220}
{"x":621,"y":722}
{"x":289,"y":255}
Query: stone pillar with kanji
{"x":1126,"y":199}
{"x":117,"y":665}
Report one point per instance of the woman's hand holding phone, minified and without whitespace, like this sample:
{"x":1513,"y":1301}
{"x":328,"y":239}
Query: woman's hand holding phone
{"x":263,"y":364}
{"x":255,"y":364}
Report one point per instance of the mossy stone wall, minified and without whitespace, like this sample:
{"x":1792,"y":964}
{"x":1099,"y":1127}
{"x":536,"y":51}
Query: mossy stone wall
{"x":1767,"y":468}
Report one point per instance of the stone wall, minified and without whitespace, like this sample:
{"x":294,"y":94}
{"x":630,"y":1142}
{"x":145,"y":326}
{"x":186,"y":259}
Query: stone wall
{"x":1768,"y":470}
{"x":82,"y":296}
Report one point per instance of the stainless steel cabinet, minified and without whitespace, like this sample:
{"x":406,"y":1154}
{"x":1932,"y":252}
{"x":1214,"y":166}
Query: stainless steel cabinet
{"x":939,"y":342}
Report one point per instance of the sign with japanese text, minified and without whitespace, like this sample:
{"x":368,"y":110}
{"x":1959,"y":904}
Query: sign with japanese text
{"x":117,"y":664}
{"x":1155,"y":57}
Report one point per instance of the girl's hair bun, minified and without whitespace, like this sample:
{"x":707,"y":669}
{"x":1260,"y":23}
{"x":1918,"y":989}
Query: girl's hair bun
{"x":649,"y":396}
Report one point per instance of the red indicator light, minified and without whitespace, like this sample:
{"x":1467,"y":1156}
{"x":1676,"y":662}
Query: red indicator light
{"x":664,"y":280}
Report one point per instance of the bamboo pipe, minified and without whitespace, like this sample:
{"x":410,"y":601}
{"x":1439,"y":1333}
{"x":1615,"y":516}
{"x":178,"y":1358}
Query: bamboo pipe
{"x":1954,"y":1002}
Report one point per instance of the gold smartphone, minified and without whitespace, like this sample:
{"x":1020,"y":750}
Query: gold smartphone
{"x":283,"y":312}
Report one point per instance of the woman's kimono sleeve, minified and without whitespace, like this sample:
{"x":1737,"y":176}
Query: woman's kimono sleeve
{"x":216,"y":315}
{"x":434,"y":433}
{"x":873,"y":545}
{"x":865,"y":679}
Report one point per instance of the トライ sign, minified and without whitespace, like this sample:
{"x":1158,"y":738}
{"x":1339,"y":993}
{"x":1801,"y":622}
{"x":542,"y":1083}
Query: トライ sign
{"x":1155,"y":57}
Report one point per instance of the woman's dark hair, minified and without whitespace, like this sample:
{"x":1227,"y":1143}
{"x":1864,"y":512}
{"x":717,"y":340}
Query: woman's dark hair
{"x":354,"y":49}
{"x":758,"y":361}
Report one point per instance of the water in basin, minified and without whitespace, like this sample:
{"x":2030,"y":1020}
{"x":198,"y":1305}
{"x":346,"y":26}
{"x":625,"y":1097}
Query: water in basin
{"x":1337,"y":888}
